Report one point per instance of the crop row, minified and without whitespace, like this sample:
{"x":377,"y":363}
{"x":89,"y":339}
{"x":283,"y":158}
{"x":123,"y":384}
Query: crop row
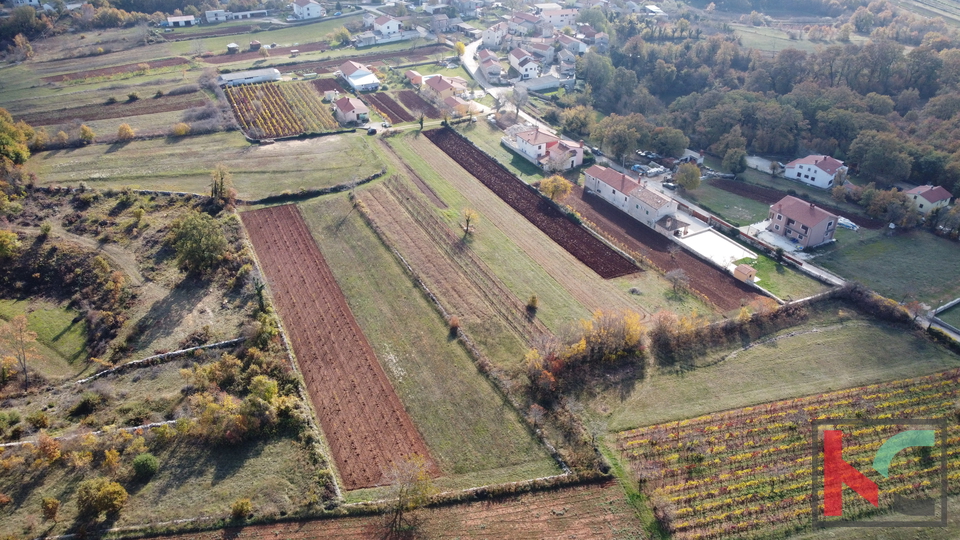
{"x":309,"y":107}
{"x":747,"y":472}
{"x":271,"y":110}
{"x":389,"y":108}
{"x":414,"y":102}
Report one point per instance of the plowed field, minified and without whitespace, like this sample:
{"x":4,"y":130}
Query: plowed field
{"x":275,"y":52}
{"x":114,"y":70}
{"x":719,"y":287}
{"x":388,"y":107}
{"x":365,"y":424}
{"x":414,"y":102}
{"x":86,"y":113}
{"x":582,"y":512}
{"x":769,"y":196}
{"x":575,"y":239}
{"x":322,"y":85}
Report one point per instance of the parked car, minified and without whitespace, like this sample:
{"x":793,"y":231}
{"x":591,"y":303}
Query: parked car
{"x":372,"y":131}
{"x":336,"y":14}
{"x":669,"y":185}
{"x":596,"y":151}
{"x":385,"y":124}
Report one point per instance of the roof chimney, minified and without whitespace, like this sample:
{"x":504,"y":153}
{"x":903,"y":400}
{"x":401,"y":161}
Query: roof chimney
{"x":811,"y":206}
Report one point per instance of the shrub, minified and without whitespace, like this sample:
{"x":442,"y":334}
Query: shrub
{"x":111,"y":100}
{"x":145,"y":466}
{"x":45,"y":229}
{"x":87,"y":135}
{"x":241,"y":508}
{"x":125,"y":132}
{"x":39,"y":420}
{"x":180,"y":129}
{"x":89,"y":402}
{"x":98,"y":496}
{"x":5,"y":500}
{"x":185,"y":89}
{"x":133,"y":96}
{"x":50,"y":507}
{"x":159,"y":94}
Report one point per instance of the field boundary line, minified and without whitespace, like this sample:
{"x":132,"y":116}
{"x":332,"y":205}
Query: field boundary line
{"x":156,"y":359}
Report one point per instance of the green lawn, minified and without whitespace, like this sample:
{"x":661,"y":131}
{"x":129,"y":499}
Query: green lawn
{"x":951,"y":316}
{"x":783,"y":281}
{"x":185,"y":164}
{"x":827,"y":353}
{"x":284,"y":37}
{"x":733,"y":208}
{"x":473,"y":434}
{"x":775,"y":40}
{"x":62,"y":339}
{"x":914,"y":264}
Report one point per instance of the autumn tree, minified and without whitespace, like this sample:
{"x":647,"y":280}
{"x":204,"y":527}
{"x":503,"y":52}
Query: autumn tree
{"x":459,"y":48}
{"x":87,"y":135}
{"x":341,"y":35}
{"x":688,"y":176}
{"x":22,"y":47}
{"x":221,"y":182}
{"x":410,"y":488}
{"x":100,"y":496}
{"x":21,"y":342}
{"x":469,"y":216}
{"x":669,"y":141}
{"x":556,"y":187}
{"x":881,"y":157}
{"x":678,"y":278}
{"x":13,"y":139}
{"x":9,"y":244}
{"x":125,"y":132}
{"x":50,"y":506}
{"x":198,"y":241}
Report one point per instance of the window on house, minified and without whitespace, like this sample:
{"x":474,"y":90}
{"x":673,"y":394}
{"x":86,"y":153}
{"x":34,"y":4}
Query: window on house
{"x":829,"y":224}
{"x":799,"y":237}
{"x":807,"y":176}
{"x":779,"y":217}
{"x":921,"y":206}
{"x":776,"y":227}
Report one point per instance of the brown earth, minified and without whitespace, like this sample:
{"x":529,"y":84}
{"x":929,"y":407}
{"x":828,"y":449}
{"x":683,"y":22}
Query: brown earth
{"x":323,"y":85}
{"x":414,"y":102}
{"x":581,"y":512}
{"x":718,"y":287}
{"x":121,"y":109}
{"x":364,"y":421}
{"x":388,"y":107}
{"x":253,"y":55}
{"x":572,"y":237}
{"x":114,"y":70}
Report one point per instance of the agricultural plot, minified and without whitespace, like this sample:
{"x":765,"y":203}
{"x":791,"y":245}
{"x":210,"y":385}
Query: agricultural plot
{"x":386,"y":106}
{"x":116,"y":70}
{"x":139,"y":107}
{"x":747,"y":472}
{"x":255,"y":55}
{"x":324,"y":85}
{"x":575,"y":239}
{"x":414,"y":102}
{"x":267,"y":111}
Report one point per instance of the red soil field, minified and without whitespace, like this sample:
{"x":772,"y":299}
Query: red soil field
{"x":114,"y":70}
{"x":387,"y":106}
{"x":322,"y":85}
{"x":253,"y":55}
{"x":583,"y":512}
{"x":120,"y":109}
{"x":174,"y":36}
{"x":414,"y":102}
{"x":598,"y":256}
{"x":769,"y":196}
{"x":364,"y":421}
{"x":719,"y":287}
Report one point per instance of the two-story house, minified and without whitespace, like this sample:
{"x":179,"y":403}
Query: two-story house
{"x":348,"y":109}
{"x":926,"y":199}
{"x":493,"y":36}
{"x":386,"y":25}
{"x":802,"y":222}
{"x":359,"y":77}
{"x":524,"y":63}
{"x":522,"y":23}
{"x":558,"y":18}
{"x":622,"y":191}
{"x":548,"y":151}
{"x":571,"y":44}
{"x":308,"y":9}
{"x":489,"y":64}
{"x":440,"y":87}
{"x":817,"y":170}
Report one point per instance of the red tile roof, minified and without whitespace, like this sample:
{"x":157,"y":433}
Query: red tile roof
{"x":535,"y":136}
{"x":347,"y":104}
{"x":802,"y":212}
{"x":519,"y":54}
{"x":825,"y":163}
{"x":485,"y":54}
{"x":616,"y":180}
{"x":933,"y":194}
{"x":382,"y":20}
{"x":350,"y":67}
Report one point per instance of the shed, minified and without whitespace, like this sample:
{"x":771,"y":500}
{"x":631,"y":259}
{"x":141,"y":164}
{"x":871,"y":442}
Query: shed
{"x":232,"y":48}
{"x":254,"y":45}
{"x":745,"y":273}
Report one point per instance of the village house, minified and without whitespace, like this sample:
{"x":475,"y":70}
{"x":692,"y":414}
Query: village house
{"x":817,"y":170}
{"x":573,"y":45}
{"x":348,"y":109}
{"x":308,"y":9}
{"x":489,"y":64}
{"x":622,"y":191}
{"x":414,"y":77}
{"x":602,"y":42}
{"x":558,"y":18}
{"x":368,"y":18}
{"x":439,"y":87}
{"x":439,"y":23}
{"x":522,"y":23}
{"x":387,"y":26}
{"x":493,"y":36}
{"x":542,"y":52}
{"x":524,"y":63}
{"x":359,"y":77}
{"x":215,"y":15}
{"x":926,"y":199}
{"x":802,"y":222}
{"x":458,"y":107}
{"x":548,"y":151}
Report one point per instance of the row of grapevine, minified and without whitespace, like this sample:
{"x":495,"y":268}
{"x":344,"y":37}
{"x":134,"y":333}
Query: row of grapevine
{"x":747,"y":472}
{"x":271,"y":110}
{"x":309,"y":107}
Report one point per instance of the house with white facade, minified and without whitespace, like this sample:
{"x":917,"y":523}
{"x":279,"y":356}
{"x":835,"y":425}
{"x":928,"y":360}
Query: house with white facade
{"x":628,"y":195}
{"x":524,"y":63}
{"x":492,"y":37}
{"x":359,"y":77}
{"x":489,"y":64}
{"x":817,"y":170}
{"x":546,"y":150}
{"x":348,"y":109}
{"x":185,"y":20}
{"x":216,"y":15}
{"x":386,"y":25}
{"x":522,"y":23}
{"x":308,"y":9}
{"x":33,"y":3}
{"x":440,"y":87}
{"x":926,"y":199}
{"x":802,"y":222}
{"x":558,"y":18}
{"x":542,"y":52}
{"x":571,"y":44}
{"x":368,"y":18}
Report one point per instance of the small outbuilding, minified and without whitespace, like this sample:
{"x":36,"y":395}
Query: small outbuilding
{"x":249,"y":77}
{"x":745,"y":273}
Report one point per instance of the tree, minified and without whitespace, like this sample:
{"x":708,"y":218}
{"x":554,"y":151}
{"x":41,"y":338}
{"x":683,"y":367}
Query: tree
{"x":410,"y":488}
{"x":881,"y":156}
{"x":9,"y":244}
{"x":87,"y":135}
{"x":735,"y":160}
{"x":145,"y":466}
{"x":678,"y":278}
{"x":469,"y":216}
{"x":221,"y":184}
{"x":518,"y":98}
{"x":62,"y":138}
{"x":17,"y":338}
{"x":125,"y":132}
{"x":50,"y":506}
{"x":13,"y":139}
{"x":22,"y":46}
{"x":199,"y":242}
{"x":420,"y":117}
{"x":264,"y":52}
{"x":577,"y":120}
{"x":459,"y":48}
{"x":341,"y":35}
{"x":669,"y":141}
{"x":99,"y":496}
{"x":180,"y":129}
{"x":555,"y":187}
{"x":688,"y":176}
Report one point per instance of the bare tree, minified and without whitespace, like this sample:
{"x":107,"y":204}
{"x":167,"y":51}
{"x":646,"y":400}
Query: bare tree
{"x":469,"y":216}
{"x":678,"y":278}
{"x":21,"y":342}
{"x":410,"y":488}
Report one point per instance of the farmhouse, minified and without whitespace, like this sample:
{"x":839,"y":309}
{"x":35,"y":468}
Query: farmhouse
{"x":802,"y":222}
{"x":387,"y":26}
{"x":308,"y":9}
{"x":348,"y":109}
{"x":548,"y":151}
{"x":458,"y":106}
{"x":439,"y":23}
{"x":493,"y":37}
{"x":440,"y":87}
{"x":185,"y":20}
{"x":359,"y":77}
{"x":817,"y":170}
{"x":558,"y":18}
{"x":628,"y":195}
{"x":249,"y":77}
{"x":524,"y":63}
{"x":926,"y":199}
{"x":489,"y":64}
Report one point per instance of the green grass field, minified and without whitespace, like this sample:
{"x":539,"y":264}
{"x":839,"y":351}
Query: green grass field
{"x":733,"y":208}
{"x":826,"y":353}
{"x":474,"y":435}
{"x":951,"y":316}
{"x":912,"y":264}
{"x":284,"y":37}
{"x":783,"y":281}
{"x":61,"y":340}
{"x":770,"y":39}
{"x":185,"y":164}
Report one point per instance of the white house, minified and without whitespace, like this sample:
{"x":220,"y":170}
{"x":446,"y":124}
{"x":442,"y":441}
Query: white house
{"x":558,"y":18}
{"x":34,"y":3}
{"x":348,"y":109}
{"x":522,"y":23}
{"x":249,"y":77}
{"x":618,"y":189}
{"x":359,"y":77}
{"x":386,"y":25}
{"x":216,"y":15}
{"x":308,"y":9}
{"x":489,"y":64}
{"x":186,"y":20}
{"x":817,"y":170}
{"x":493,"y":37}
{"x":549,"y":151}
{"x":368,"y":19}
{"x":926,"y":199}
{"x":573,"y":45}
{"x":524,"y":63}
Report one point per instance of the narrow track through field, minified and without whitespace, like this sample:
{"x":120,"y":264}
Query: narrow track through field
{"x":364,"y":421}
